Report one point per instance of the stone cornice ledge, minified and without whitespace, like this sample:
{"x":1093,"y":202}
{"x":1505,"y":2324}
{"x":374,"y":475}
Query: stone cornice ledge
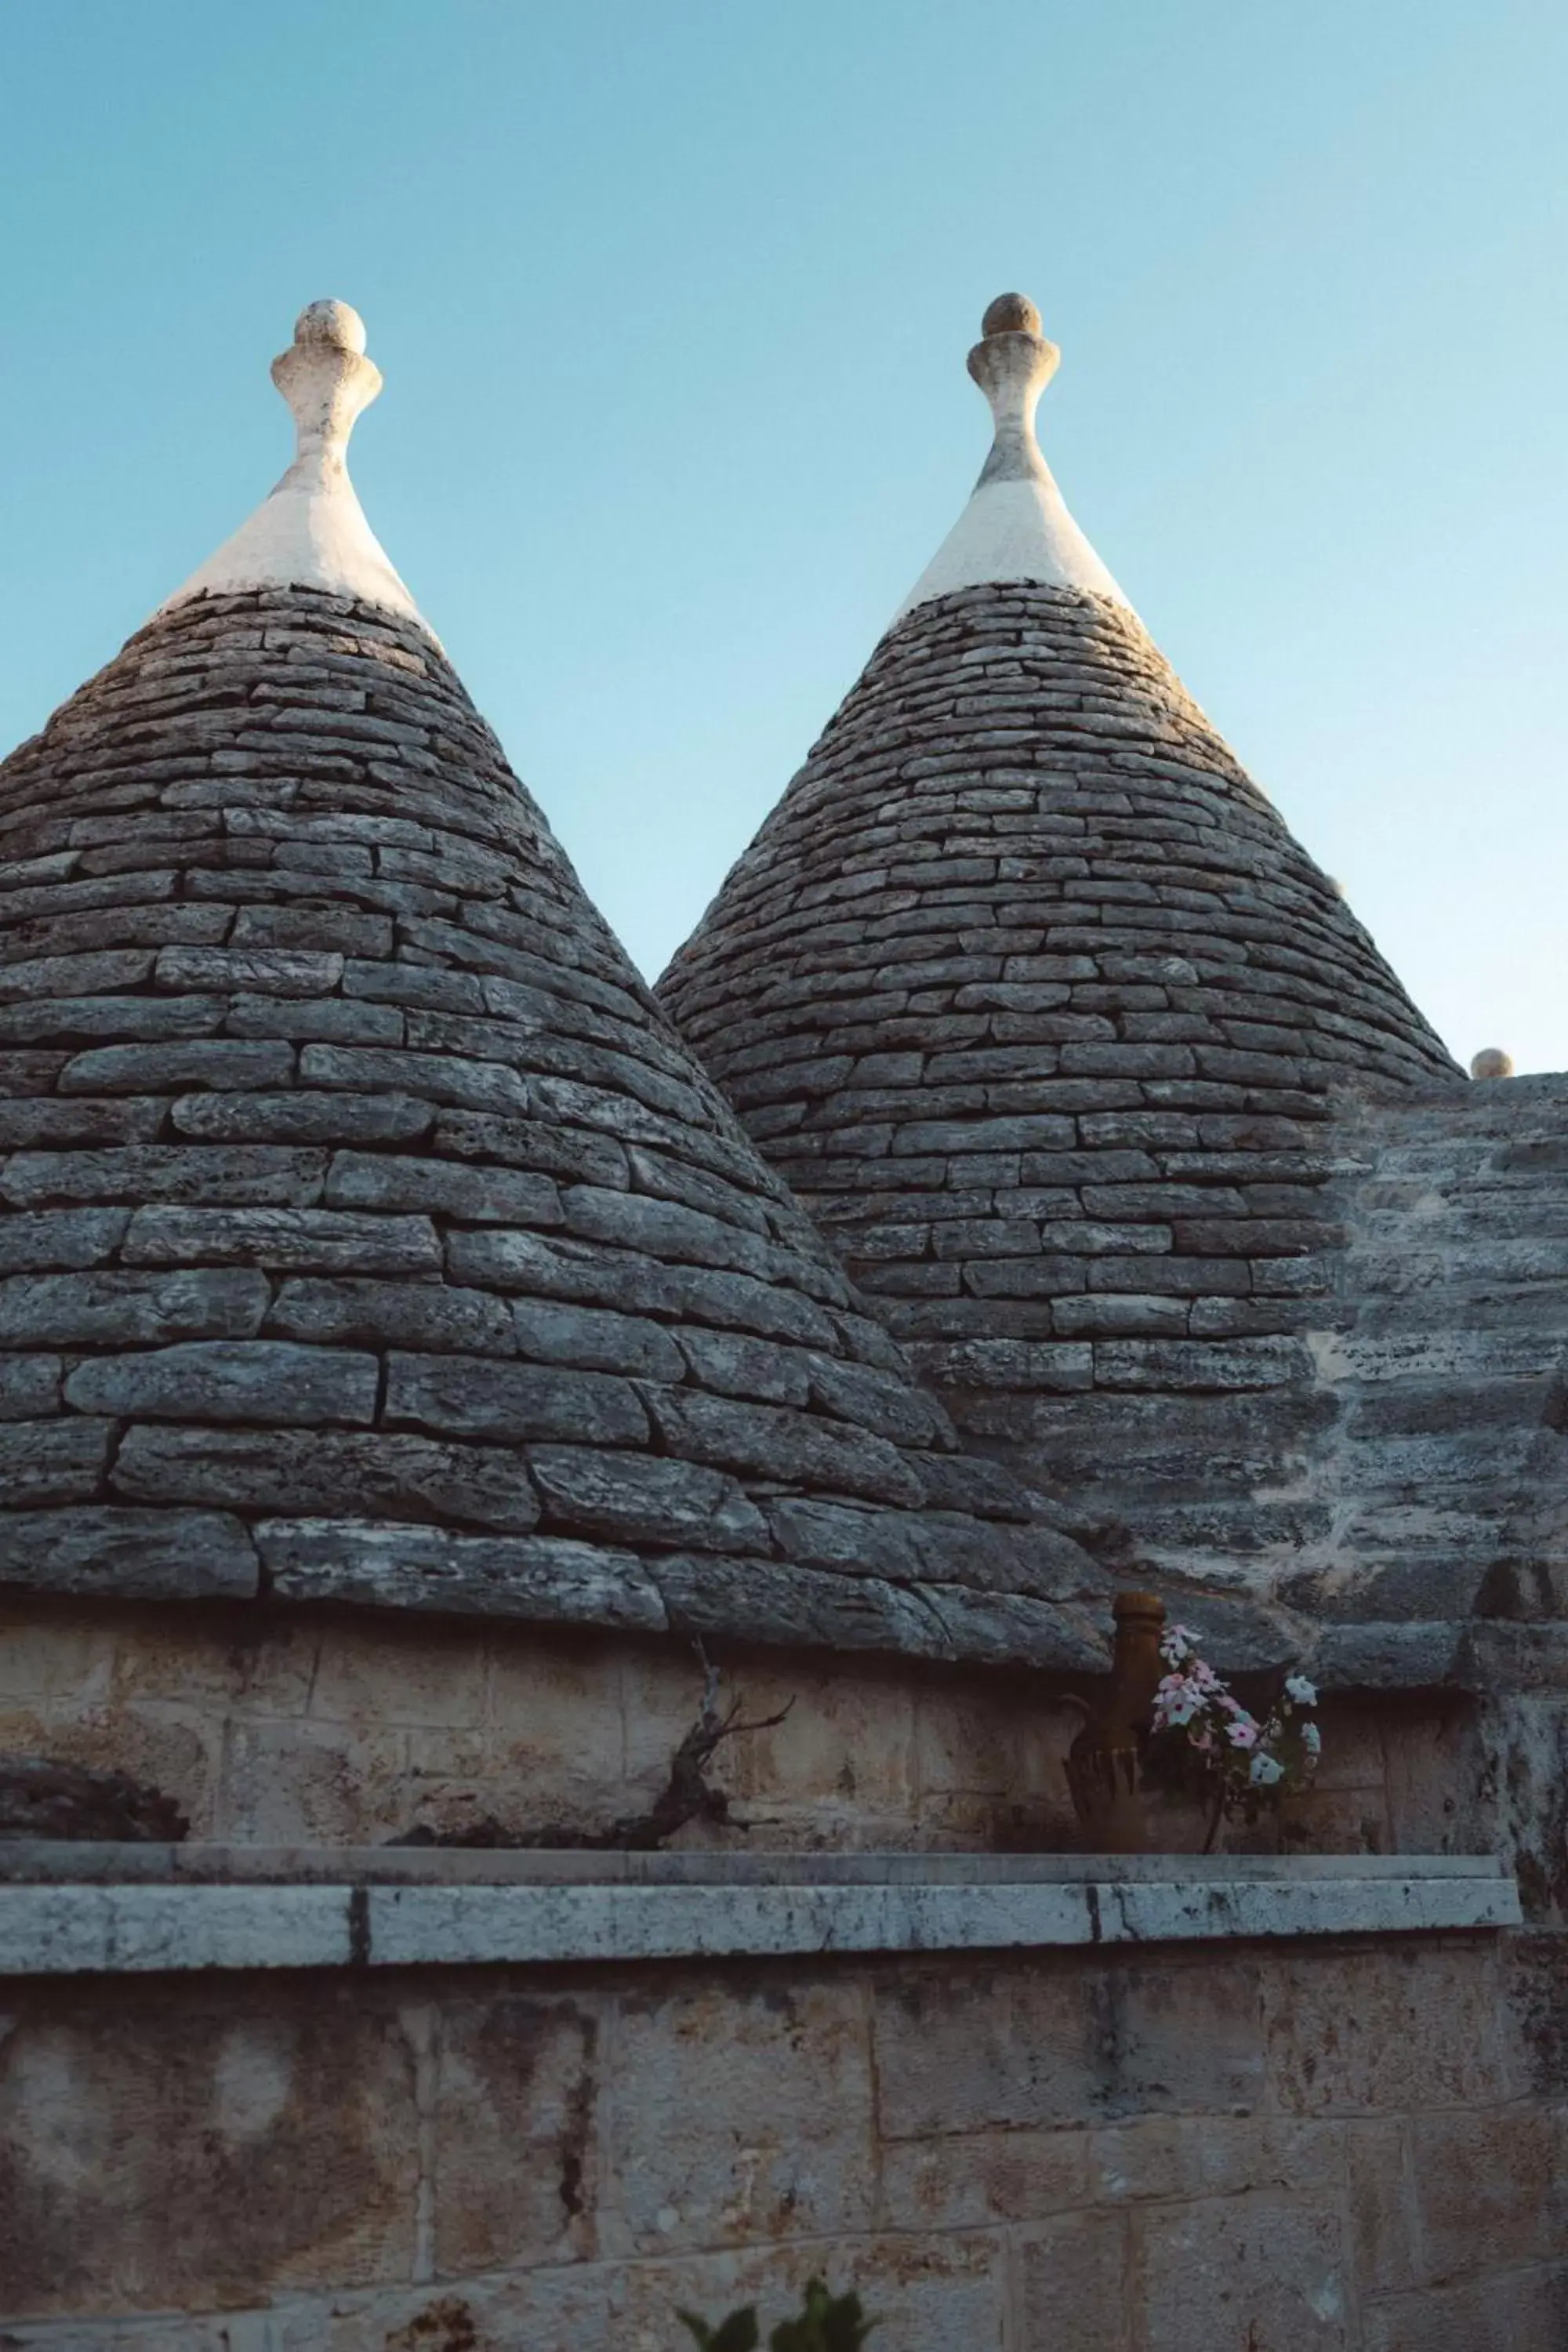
{"x":797,"y":1907}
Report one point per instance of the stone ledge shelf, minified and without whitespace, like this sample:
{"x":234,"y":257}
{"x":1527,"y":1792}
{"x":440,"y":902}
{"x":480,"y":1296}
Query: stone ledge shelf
{"x":70,"y":1911}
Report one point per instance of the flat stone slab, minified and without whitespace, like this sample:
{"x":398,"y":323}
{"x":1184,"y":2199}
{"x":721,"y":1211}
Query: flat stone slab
{"x":710,"y":1907}
{"x":79,"y":1861}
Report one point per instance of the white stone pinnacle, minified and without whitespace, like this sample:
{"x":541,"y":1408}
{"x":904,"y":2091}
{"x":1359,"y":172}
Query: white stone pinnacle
{"x":311,"y":531}
{"x":1016,"y":525}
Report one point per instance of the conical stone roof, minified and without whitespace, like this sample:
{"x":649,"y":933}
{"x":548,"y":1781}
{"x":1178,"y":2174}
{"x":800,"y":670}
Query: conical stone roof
{"x":1031,"y":996}
{"x":368,"y":1235}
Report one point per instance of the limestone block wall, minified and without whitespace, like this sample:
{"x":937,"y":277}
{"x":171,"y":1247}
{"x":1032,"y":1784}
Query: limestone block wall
{"x":1351,"y":2146}
{"x":284,"y":1727}
{"x":308,"y":1727}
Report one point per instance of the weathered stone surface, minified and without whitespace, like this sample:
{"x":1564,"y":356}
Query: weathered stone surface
{"x":292,"y":1240}
{"x":71,"y":1801}
{"x":216,"y":1062}
{"x":1401,"y":1656}
{"x":436,"y":1078}
{"x":128,"y":1554}
{"x":718,"y":2128}
{"x":45,"y":1121}
{"x":372,"y":1314}
{"x":500,"y":1196}
{"x":71,"y":975}
{"x":81,"y":1019}
{"x":513,"y":1402}
{"x":1504,"y":2311}
{"x":280,"y":2133}
{"x":60,"y":1237}
{"x":548,"y":1581}
{"x":595,"y":1339}
{"x":1078,"y":2262}
{"x":853,"y":1542}
{"x":264,"y":1380}
{"x":129,"y":1309}
{"x":1276,"y":2265}
{"x":631,"y":1498}
{"x":29,"y":1385}
{"x":279,"y":971}
{"x":516,"y":2151}
{"x":352,"y":1166}
{"x":998,"y":2049}
{"x":774,"y":1442}
{"x":54,"y":1461}
{"x":327,"y":1471}
{"x":258,"y":1118}
{"x":142,"y":1172}
{"x":754,"y":2118}
{"x":796,"y":1608}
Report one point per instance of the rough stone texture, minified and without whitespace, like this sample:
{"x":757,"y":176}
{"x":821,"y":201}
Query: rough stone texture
{"x":1407,"y":1494}
{"x":1032,"y":997}
{"x":289,"y":1726}
{"x":70,"y":1801}
{"x":1140,"y":2152}
{"x":1118,"y":1116}
{"x":349,"y":1169}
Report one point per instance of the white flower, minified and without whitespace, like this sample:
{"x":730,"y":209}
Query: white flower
{"x":1263,"y":1771}
{"x":1311,"y":1739}
{"x":1298,"y":1687}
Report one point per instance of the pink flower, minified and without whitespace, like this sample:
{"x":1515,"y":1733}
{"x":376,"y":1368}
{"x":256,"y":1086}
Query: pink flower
{"x":1175,"y":1702}
{"x":1243,"y":1732}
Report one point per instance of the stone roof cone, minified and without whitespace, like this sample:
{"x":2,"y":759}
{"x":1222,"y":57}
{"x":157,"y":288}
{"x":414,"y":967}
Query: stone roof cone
{"x":1032,"y":996}
{"x":368,"y":1235}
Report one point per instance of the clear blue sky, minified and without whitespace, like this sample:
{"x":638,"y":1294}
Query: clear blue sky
{"x":672,"y":299}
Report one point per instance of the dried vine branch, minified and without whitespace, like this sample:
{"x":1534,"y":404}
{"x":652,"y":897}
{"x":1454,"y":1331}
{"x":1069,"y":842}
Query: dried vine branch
{"x":685,"y":1797}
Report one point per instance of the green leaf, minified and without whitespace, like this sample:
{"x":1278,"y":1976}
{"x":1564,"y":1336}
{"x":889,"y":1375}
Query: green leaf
{"x":827,"y":2323}
{"x":738,"y":2333}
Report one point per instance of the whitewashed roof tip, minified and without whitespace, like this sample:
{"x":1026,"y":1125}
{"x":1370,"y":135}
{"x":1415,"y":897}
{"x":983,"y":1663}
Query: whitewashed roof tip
{"x":1016,"y":525}
{"x":311,"y":532}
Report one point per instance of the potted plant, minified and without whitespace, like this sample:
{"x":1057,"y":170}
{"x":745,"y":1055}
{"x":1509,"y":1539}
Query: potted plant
{"x":1171,"y":1754}
{"x":1202,"y":1740}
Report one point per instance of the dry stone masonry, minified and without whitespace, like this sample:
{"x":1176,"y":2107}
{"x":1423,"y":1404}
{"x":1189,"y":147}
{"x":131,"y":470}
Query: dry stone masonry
{"x":1032,"y":997}
{"x":369,"y":1235}
{"x":368,"y":1231}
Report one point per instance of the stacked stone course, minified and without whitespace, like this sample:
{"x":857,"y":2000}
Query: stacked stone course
{"x":370,"y":1236}
{"x":1033,"y":999}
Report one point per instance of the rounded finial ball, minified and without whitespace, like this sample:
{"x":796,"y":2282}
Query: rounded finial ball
{"x":334,"y":323}
{"x":1491,"y":1062}
{"x":1010,"y":314}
